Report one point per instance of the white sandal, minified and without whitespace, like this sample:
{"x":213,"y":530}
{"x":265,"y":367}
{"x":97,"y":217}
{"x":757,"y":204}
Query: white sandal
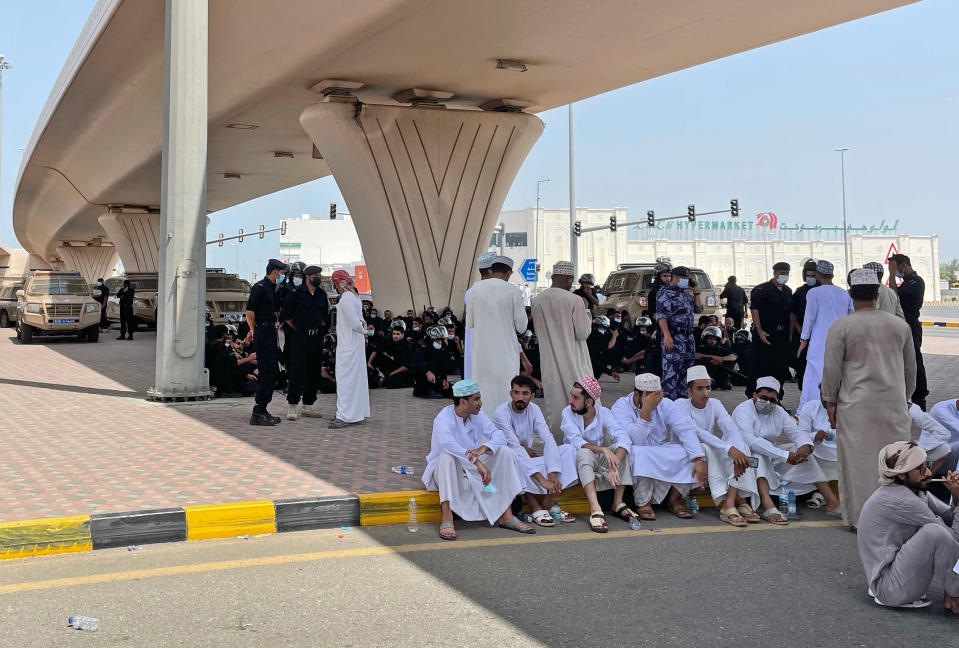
{"x":768,"y":513}
{"x":921,"y":603}
{"x":816,"y":501}
{"x":543,"y":518}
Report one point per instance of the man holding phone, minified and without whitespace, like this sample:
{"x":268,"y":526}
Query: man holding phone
{"x":675,"y":308}
{"x":727,"y":456}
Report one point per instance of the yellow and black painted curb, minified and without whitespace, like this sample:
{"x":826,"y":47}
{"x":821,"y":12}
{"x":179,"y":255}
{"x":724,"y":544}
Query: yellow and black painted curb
{"x":949,"y":324}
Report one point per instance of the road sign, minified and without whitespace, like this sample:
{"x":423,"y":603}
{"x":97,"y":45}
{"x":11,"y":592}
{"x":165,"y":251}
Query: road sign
{"x":528,"y":270}
{"x":892,"y":250}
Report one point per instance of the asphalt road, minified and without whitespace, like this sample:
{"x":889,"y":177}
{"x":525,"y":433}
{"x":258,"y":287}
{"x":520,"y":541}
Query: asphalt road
{"x":695,"y":583}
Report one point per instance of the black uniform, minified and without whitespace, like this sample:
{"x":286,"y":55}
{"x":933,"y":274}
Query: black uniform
{"x":600,"y":355}
{"x":309,"y":314}
{"x":263,"y":304}
{"x":719,"y":373}
{"x":633,"y":343}
{"x":283,"y":292}
{"x":102,"y":300}
{"x":127,"y":322}
{"x":428,"y":358}
{"x":774,"y":306}
{"x":911,"y":293}
{"x":735,"y":298}
{"x":393,"y":356}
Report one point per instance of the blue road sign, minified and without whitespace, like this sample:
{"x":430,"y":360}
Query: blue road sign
{"x":528,"y":270}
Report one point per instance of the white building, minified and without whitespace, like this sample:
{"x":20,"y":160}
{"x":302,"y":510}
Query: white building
{"x":329,"y":243}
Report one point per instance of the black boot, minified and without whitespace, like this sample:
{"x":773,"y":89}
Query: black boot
{"x":261,"y":417}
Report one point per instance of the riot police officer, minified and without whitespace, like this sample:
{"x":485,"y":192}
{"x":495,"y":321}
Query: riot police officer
{"x":261,"y":317}
{"x":674,"y":315}
{"x":283,"y":291}
{"x":306,"y":315}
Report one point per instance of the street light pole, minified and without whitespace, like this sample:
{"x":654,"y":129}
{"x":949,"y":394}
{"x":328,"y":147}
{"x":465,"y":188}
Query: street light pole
{"x":4,"y":65}
{"x":536,"y":229}
{"x":573,"y":243}
{"x":845,"y":244}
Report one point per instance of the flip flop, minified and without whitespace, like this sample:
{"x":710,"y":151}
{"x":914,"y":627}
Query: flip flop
{"x":447,"y":525}
{"x":567,"y":517}
{"x":816,"y":501}
{"x":624,"y":513}
{"x":770,"y":512}
{"x":749,"y":514}
{"x":601,"y":528}
{"x":515,"y":525}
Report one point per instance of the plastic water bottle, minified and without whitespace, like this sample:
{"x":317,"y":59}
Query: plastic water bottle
{"x":784,"y":501}
{"x":412,"y":525}
{"x":556,"y":513}
{"x":83,"y":623}
{"x":693,"y":504}
{"x":830,"y":435}
{"x":791,"y":498}
{"x":635,"y":524}
{"x":402,"y":470}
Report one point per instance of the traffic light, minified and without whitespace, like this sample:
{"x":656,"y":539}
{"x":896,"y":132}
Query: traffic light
{"x":577,"y":228}
{"x":734,"y":208}
{"x":220,"y":243}
{"x":691,"y":212}
{"x":332,"y":211}
{"x":612,"y":223}
{"x":241,"y":236}
{"x":650,"y":218}
{"x":283,"y":228}
{"x":262,"y":231}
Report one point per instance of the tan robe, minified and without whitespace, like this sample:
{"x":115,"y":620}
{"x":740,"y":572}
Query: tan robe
{"x":869,"y":371}
{"x":562,"y":326}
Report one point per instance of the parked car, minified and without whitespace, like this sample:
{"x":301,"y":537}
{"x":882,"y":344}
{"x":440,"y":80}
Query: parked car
{"x":627,"y":288}
{"x":144,"y":302}
{"x":57,"y":303}
{"x":225,"y":294}
{"x":8,"y":303}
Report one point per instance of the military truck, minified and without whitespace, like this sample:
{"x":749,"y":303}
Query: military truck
{"x":57,"y":303}
{"x":225,"y":293}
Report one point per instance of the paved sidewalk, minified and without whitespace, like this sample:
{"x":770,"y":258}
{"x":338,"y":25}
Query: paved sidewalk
{"x":80,"y":438}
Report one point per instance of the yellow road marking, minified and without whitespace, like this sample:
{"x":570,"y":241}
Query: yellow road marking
{"x":334,"y":554}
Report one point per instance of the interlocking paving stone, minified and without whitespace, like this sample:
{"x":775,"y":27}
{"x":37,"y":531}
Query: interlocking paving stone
{"x":80,"y":438}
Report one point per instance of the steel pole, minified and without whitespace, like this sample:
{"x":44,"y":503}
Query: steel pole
{"x":845,"y":242}
{"x":3,"y":66}
{"x":573,"y":243}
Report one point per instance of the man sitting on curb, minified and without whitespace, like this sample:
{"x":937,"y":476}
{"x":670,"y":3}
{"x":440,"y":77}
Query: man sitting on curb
{"x":932,"y":436}
{"x":668,"y":459}
{"x":540,"y":477}
{"x":906,"y":535}
{"x":470,"y":465}
{"x":727,"y":461}
{"x":601,"y":465}
{"x":791,"y":464}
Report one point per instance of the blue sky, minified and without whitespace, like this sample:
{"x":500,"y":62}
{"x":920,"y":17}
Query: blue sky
{"x":760,"y":126}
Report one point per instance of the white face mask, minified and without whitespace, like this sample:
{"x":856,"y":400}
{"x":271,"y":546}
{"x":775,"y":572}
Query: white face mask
{"x":810,"y":281}
{"x":601,"y":330}
{"x":617,"y":319}
{"x":297,"y":281}
{"x":449,"y":336}
{"x":437,"y":345}
{"x":416,"y":328}
{"x":683,"y":283}
{"x":782,"y":278}
{"x":765,"y":407}
{"x":370,"y":332}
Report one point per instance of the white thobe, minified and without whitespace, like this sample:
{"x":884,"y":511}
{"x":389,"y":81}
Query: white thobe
{"x":525,"y":290}
{"x":812,"y":418}
{"x":663,"y":448}
{"x":449,"y":471}
{"x":824,"y":305}
{"x":718,"y":433}
{"x":938,"y":428}
{"x":352,"y":388}
{"x":762,"y":432}
{"x":562,"y":326}
{"x":495,"y":311}
{"x":603,"y":425}
{"x":520,"y":430}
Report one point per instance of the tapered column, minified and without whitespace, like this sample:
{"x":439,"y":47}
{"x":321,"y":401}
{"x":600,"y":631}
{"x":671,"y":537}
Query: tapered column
{"x":91,"y":261}
{"x":136,"y":237}
{"x":424,"y":187}
{"x":182,"y":245}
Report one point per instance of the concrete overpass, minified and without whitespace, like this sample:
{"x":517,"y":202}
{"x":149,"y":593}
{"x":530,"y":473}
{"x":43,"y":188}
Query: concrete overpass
{"x":249,"y":97}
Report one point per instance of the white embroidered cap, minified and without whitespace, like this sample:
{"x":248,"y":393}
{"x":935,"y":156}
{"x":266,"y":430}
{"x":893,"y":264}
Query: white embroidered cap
{"x":768,"y":382}
{"x":696,"y":372}
{"x":647,"y":382}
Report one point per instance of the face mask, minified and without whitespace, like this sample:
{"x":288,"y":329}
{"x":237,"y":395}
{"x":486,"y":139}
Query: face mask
{"x":449,"y":336}
{"x":373,"y":316}
{"x":683,"y":283}
{"x":297,"y":281}
{"x":782,"y":278}
{"x":899,"y":274}
{"x":416,"y":328}
{"x":765,"y":407}
{"x":810,"y":281}
{"x":99,"y":283}
{"x":617,"y":319}
{"x":437,"y":345}
{"x":370,"y":332}
{"x":601,"y":330}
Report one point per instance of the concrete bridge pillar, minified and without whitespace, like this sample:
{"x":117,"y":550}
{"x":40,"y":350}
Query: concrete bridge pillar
{"x":91,"y":261}
{"x":136,"y":237}
{"x":424,"y":186}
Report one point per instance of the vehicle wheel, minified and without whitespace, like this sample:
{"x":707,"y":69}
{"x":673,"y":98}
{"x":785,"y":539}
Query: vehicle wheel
{"x":26,"y":333}
{"x":93,"y":333}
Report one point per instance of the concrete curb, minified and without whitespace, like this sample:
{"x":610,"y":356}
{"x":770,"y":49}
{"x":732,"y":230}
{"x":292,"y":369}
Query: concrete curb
{"x":949,"y":324}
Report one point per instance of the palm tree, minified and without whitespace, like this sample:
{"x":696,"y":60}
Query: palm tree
{"x":949,"y":270}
